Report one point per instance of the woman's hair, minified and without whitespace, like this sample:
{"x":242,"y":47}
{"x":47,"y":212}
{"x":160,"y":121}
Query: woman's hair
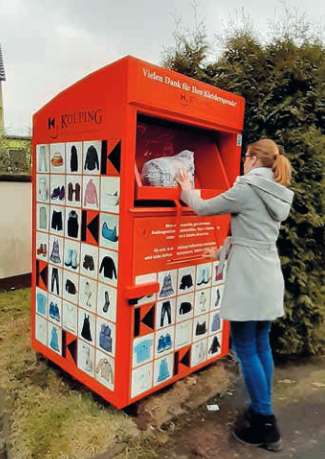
{"x":272,"y":155}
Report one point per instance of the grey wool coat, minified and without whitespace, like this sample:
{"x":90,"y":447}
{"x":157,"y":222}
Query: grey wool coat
{"x":254,"y":287}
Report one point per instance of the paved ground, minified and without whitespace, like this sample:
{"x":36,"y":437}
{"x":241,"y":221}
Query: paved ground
{"x":299,"y":401}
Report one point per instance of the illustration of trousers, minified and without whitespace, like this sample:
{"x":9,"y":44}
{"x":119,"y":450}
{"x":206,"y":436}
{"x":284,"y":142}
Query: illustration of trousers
{"x":42,"y":218}
{"x":165,"y":311}
{"x":56,"y":222}
{"x":55,"y":280}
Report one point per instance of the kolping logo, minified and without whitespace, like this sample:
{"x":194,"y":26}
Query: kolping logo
{"x":52,"y":127}
{"x":51,"y":123}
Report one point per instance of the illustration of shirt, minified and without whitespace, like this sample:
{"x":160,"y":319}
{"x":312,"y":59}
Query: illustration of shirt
{"x":108,"y":266}
{"x":142,"y":350}
{"x":91,"y":194}
{"x":91,"y":162}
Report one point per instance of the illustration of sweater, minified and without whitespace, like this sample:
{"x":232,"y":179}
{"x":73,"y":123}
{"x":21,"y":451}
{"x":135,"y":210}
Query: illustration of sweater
{"x":108,"y":266}
{"x":91,"y":162}
{"x":91,"y":194}
{"x":105,"y":369}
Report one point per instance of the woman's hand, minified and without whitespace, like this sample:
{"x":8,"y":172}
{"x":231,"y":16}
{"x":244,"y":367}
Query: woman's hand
{"x":182,"y":178}
{"x":210,"y":252}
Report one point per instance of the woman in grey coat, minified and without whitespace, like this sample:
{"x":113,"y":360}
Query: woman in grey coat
{"x":253,"y":295}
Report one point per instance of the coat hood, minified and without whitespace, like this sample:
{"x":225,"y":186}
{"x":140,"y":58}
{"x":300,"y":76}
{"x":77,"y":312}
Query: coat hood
{"x":276,"y":198}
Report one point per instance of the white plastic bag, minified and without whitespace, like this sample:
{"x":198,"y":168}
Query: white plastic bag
{"x":162,"y":171}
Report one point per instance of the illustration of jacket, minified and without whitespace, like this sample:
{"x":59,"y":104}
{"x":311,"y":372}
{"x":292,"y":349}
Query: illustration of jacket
{"x":104,"y":368}
{"x":73,"y":159}
{"x":185,"y":307}
{"x":215,"y":345}
{"x":163,"y":371}
{"x":108,"y":266}
{"x":164,"y":343}
{"x":54,"y":311}
{"x":74,"y":191}
{"x":186,"y":282}
{"x":73,"y":224}
{"x":91,"y":194}
{"x":91,"y":162}
{"x":85,"y":332}
{"x":105,"y":338}
{"x":167,"y":288}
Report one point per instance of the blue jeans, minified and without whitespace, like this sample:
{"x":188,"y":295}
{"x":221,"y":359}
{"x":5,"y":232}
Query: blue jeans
{"x":251,"y":341}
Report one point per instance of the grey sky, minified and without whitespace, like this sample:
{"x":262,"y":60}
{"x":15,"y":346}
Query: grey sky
{"x":47,"y":45}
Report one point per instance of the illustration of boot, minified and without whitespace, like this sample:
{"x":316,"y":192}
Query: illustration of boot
{"x":107,"y":302}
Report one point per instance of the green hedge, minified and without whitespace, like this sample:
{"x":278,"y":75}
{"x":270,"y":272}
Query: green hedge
{"x":283,"y":83}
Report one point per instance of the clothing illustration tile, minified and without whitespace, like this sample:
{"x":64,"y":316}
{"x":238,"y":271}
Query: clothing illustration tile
{"x":203,"y":275}
{"x":86,"y":357}
{"x":92,"y":157}
{"x":167,"y":283}
{"x":142,"y":379}
{"x":89,"y":260}
{"x":57,"y":158}
{"x":73,"y":190}
{"x":165,"y":313}
{"x":42,"y":246}
{"x":108,"y":230}
{"x":184,"y":307}
{"x":202,"y":301}
{"x":72,"y":223}
{"x":42,"y":188}
{"x":106,"y":302}
{"x":70,"y":286}
{"x":88,"y":293}
{"x":55,"y":280}
{"x":199,"y":352}
{"x":42,"y":217}
{"x":216,"y":296}
{"x":70,"y":317}
{"x":143,"y":349}
{"x":186,"y":280}
{"x":43,"y":158}
{"x":110,"y":194}
{"x":56,"y":252}
{"x":108,"y":266}
{"x":57,"y":217}
{"x":164,"y":341}
{"x":200,"y":327}
{"x":57,"y":189}
{"x":105,"y":369}
{"x":219,"y":273}
{"x":183,"y":334}
{"x":215,"y":322}
{"x":72,"y":255}
{"x":74,"y":160}
{"x":90,"y":190}
{"x":41,"y":303}
{"x":41,"y":329}
{"x":55,"y":309}
{"x":214,"y":345}
{"x":105,"y":336}
{"x":163,"y":369}
{"x":54,"y":337}
{"x":87,"y":326}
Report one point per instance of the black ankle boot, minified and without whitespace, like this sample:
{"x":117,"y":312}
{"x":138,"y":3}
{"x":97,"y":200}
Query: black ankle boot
{"x":261,"y":431}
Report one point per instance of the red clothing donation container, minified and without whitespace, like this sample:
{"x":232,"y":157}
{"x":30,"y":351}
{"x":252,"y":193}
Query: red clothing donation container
{"x":122,"y":299}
